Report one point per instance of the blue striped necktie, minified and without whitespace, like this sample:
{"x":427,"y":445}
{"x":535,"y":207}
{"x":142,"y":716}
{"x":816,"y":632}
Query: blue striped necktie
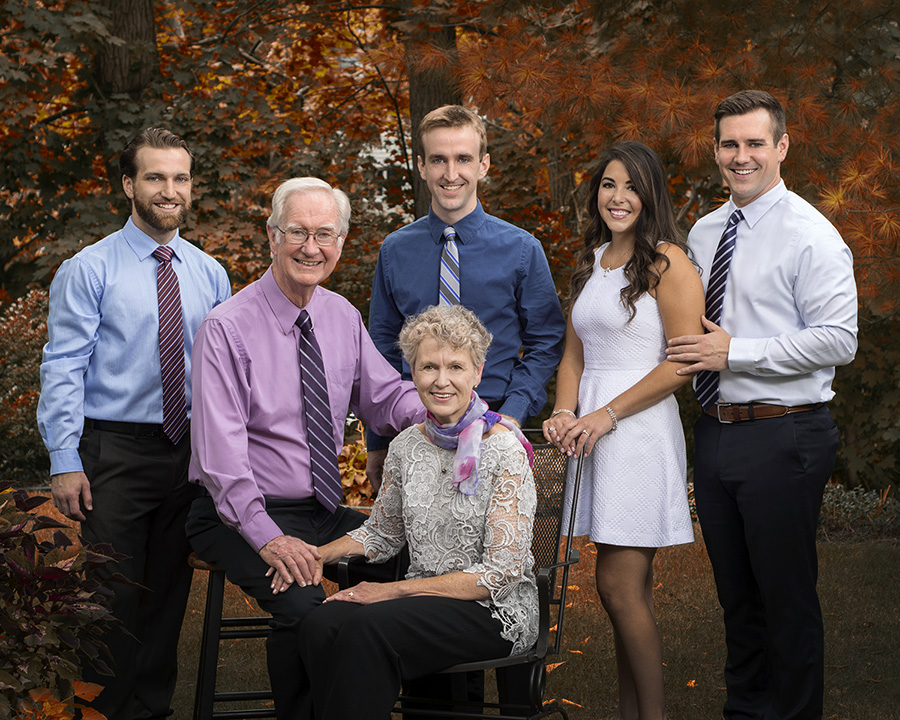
{"x":319,"y":428}
{"x":171,"y":346}
{"x":448,"y":294}
{"x":707,"y":386}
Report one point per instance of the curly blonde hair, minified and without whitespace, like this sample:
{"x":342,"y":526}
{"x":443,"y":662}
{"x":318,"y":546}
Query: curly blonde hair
{"x":451,"y":325}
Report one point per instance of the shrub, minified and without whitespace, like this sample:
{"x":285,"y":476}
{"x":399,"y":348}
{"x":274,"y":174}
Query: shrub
{"x":51,"y":613}
{"x":23,"y":332}
{"x":41,"y":704}
{"x":352,"y":466}
{"x":867,"y":406}
{"x":858,"y":513}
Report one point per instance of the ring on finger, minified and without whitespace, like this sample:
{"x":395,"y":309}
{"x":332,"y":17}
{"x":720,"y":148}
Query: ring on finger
{"x":585,"y":432}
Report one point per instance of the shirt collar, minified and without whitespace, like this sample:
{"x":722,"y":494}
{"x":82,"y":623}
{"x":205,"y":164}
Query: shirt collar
{"x":285,"y":312}
{"x":143,"y":245}
{"x":466,"y":228}
{"x":754,"y":211}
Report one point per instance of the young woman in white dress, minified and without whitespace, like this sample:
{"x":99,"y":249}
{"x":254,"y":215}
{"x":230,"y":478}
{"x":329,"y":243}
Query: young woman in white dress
{"x":633,"y":287}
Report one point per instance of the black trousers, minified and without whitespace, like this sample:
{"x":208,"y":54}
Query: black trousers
{"x":758,"y":487}
{"x":383,"y":643}
{"x":225,"y":548}
{"x":141,"y":498}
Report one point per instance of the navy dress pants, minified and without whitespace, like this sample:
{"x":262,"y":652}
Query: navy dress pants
{"x":758,"y":487}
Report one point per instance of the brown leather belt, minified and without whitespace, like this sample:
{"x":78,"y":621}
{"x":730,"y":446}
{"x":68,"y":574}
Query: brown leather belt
{"x":734,"y":412}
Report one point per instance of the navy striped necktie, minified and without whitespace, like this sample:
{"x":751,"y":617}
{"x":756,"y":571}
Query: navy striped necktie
{"x":171,"y":346}
{"x":323,"y":464}
{"x":448,"y":293}
{"x":707,"y":386}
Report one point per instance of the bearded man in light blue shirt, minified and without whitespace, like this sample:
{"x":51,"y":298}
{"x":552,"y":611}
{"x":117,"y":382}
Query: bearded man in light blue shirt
{"x":780,"y":315}
{"x":101,"y":414}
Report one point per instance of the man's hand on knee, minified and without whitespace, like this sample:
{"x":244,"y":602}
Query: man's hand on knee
{"x":291,"y":561}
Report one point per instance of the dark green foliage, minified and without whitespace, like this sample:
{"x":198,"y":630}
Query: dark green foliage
{"x":23,"y":332}
{"x":867,"y":406}
{"x":51,"y":614}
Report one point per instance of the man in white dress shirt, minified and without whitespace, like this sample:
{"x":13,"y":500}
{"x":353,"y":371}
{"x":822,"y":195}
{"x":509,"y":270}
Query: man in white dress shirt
{"x":784,"y":317}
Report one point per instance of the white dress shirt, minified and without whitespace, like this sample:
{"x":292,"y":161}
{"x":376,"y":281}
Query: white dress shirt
{"x":790,"y":300}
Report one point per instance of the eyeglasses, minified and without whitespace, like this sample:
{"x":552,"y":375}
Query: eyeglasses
{"x":299,"y":236}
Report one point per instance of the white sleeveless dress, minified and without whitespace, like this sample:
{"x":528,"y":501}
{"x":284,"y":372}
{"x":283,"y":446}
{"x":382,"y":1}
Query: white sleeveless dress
{"x":633,"y":489}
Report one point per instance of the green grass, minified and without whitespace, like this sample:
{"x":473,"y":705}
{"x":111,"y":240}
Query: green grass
{"x":858,"y":587}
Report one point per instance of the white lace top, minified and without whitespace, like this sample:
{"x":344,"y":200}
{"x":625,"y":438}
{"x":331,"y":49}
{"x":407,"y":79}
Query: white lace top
{"x":487,"y":534}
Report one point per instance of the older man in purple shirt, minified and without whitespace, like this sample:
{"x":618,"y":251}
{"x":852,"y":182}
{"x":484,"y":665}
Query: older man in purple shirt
{"x":255,"y":449}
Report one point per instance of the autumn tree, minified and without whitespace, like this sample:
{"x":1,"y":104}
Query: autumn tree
{"x":261,"y":90}
{"x":267,"y":89}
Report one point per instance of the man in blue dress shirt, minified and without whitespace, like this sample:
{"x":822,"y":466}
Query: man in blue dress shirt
{"x":503,"y":275}
{"x":113,"y":467}
{"x":499,"y":272}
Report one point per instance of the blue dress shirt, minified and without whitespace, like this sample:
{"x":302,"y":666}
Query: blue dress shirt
{"x":505,"y":281}
{"x":102,"y":357}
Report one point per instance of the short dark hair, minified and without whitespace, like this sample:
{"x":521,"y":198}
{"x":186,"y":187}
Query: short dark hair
{"x":746,"y":101}
{"x":453,"y":116}
{"x":153,"y":137}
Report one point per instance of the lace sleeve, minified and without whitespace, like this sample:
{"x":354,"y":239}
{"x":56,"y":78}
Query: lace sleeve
{"x":507,"y":560}
{"x":383,"y":534}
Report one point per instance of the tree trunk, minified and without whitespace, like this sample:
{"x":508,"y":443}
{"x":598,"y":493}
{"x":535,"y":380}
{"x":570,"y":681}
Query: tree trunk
{"x":130,"y":66}
{"x":429,"y":88}
{"x":562,"y":186}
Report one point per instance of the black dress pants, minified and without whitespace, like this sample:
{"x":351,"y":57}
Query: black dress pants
{"x":141,"y":498}
{"x":383,"y":643}
{"x":758,"y":487}
{"x":225,"y":548}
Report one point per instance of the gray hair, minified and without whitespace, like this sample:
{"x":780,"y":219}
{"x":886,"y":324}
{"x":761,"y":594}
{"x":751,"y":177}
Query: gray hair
{"x":451,"y":325}
{"x":304,"y":186}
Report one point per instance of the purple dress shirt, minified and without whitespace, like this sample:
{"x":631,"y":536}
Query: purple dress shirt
{"x":247,"y":426}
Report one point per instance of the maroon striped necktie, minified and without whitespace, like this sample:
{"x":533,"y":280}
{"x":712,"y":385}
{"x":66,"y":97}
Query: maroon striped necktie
{"x":171,"y":346}
{"x":319,"y":427}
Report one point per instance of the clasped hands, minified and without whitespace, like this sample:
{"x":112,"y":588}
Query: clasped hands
{"x":572,"y":435}
{"x":291,"y":560}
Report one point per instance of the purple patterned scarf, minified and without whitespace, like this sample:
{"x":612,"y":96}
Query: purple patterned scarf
{"x":465,"y":438}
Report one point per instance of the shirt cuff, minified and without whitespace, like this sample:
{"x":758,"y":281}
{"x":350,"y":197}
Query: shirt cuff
{"x":517,"y":408}
{"x":261,"y":530}
{"x":744,"y":354}
{"x":64,"y":461}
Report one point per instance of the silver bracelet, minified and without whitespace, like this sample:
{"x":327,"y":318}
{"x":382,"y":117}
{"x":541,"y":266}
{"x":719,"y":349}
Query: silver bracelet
{"x":562,"y":410}
{"x":612,"y":416}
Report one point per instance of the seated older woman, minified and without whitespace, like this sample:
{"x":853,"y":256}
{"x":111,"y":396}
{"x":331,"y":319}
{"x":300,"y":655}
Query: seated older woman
{"x":458,"y":489}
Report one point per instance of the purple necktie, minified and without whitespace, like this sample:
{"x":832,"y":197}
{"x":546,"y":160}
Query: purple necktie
{"x":319,"y":428}
{"x":171,"y":346}
{"x":707,"y":386}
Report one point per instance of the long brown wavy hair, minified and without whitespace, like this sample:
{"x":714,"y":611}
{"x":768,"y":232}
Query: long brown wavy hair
{"x":655,"y":224}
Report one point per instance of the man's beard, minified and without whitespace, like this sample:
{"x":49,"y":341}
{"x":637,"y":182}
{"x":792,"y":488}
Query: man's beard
{"x":161,"y":221}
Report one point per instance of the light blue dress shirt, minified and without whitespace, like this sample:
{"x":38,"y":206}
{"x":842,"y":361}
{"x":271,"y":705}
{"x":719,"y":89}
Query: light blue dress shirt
{"x":102,"y":357}
{"x":790,"y":300}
